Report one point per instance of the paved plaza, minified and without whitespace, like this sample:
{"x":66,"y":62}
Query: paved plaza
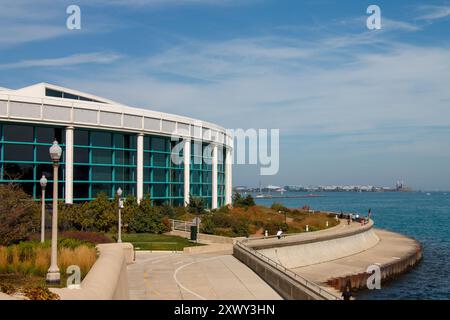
{"x":181,"y":276}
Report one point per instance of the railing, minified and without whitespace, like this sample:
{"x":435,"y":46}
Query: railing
{"x":294,"y":276}
{"x":181,"y":225}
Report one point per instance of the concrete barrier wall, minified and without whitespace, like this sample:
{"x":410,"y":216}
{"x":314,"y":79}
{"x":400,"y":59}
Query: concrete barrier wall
{"x":300,"y":255}
{"x":224,"y":248}
{"x":4,"y":296}
{"x":286,"y":286}
{"x":107,"y":279}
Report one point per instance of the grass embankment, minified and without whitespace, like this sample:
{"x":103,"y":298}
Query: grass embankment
{"x":149,"y":241}
{"x":254,"y":220}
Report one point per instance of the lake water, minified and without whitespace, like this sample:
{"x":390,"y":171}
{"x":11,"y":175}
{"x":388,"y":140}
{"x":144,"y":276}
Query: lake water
{"x":425,"y":217}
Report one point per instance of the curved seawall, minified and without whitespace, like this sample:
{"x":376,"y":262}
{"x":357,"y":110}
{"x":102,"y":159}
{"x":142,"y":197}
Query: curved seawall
{"x":304,"y":254}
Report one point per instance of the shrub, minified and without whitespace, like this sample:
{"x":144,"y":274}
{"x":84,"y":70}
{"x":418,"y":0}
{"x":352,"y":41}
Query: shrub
{"x":92,"y":237}
{"x":148,"y":219}
{"x":19,"y":215}
{"x":239,"y":201}
{"x":82,"y":256}
{"x":39,"y":293}
{"x":167,"y":210}
{"x":196,"y":205}
{"x":278,"y":207}
{"x":34,"y":257}
{"x":74,"y":243}
{"x":7,"y":288}
{"x":207,"y":226}
{"x":225,"y":225}
{"x":129,"y":211}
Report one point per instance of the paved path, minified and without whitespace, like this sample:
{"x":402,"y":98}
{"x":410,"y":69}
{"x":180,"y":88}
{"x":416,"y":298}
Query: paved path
{"x":391,"y":247}
{"x":181,"y":276}
{"x":342,"y":229}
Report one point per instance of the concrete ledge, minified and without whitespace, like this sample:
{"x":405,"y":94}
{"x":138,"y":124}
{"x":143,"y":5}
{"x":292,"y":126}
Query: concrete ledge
{"x":4,"y":296}
{"x":202,"y":237}
{"x":107,"y":279}
{"x":224,"y":248}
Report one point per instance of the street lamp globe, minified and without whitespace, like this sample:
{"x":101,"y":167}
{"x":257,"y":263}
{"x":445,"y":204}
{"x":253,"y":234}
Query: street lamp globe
{"x":55,"y":151}
{"x":43,"y":181}
{"x":119,"y":192}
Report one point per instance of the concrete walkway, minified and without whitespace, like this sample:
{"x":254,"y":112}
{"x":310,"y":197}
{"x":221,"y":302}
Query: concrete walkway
{"x":181,"y":276}
{"x":391,"y":247}
{"x":340,"y":230}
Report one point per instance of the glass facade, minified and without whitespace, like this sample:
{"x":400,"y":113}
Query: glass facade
{"x":24,"y":157}
{"x":105,"y":160}
{"x":201,"y":171}
{"x":220,"y":176}
{"x":163,"y":179}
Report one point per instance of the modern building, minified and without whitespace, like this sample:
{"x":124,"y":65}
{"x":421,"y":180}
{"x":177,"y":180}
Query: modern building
{"x":107,"y":145}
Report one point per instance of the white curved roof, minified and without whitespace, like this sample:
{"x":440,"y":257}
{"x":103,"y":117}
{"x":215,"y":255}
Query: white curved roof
{"x":32,"y":104}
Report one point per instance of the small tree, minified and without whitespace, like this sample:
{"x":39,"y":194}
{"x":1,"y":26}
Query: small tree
{"x":239,"y":201}
{"x":130,"y":210}
{"x":167,"y":210}
{"x":102,"y":212}
{"x":19,"y":215}
{"x":148,"y":218}
{"x":196,"y":205}
{"x":237,"y":198}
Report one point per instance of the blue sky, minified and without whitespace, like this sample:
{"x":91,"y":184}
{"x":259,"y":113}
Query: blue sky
{"x":353,"y":106}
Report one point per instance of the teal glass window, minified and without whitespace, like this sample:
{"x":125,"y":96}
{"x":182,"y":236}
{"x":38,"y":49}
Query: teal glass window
{"x":101,"y":156}
{"x":18,"y":133}
{"x":24,"y":157}
{"x":101,"y":174}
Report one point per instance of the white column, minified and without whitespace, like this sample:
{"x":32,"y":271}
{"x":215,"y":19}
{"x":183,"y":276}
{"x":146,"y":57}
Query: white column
{"x":69,"y":165}
{"x":187,"y":169}
{"x":228,"y":176}
{"x":140,"y":168}
{"x":214,"y":177}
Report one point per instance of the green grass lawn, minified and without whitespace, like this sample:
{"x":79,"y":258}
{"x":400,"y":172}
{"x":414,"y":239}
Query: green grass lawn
{"x":149,"y":241}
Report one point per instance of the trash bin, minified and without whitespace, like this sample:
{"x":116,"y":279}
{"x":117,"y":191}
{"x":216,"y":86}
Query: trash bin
{"x":194,"y":233}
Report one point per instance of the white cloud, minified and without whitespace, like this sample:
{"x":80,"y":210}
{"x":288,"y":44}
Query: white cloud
{"x":399,"y":25}
{"x":434,"y":12}
{"x":76,"y":59}
{"x":159,"y":3}
{"x":295,"y":89}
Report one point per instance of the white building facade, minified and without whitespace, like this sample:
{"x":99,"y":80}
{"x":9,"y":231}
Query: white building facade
{"x":107,"y":145}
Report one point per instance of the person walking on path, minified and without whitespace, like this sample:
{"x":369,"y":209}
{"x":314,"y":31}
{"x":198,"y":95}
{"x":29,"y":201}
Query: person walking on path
{"x":279,"y":233}
{"x":347,"y":294}
{"x":349,"y":219}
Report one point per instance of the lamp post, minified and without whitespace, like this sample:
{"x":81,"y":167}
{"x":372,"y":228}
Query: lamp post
{"x":53,"y":275}
{"x":43,"y":182}
{"x":119,"y":236}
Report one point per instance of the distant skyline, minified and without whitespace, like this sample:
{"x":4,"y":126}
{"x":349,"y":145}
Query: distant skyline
{"x":353,"y":106}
